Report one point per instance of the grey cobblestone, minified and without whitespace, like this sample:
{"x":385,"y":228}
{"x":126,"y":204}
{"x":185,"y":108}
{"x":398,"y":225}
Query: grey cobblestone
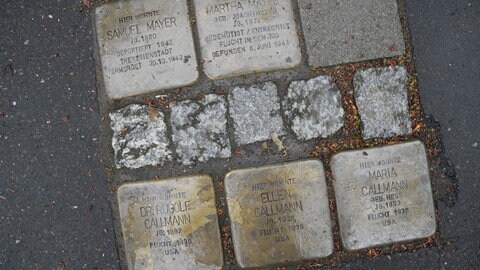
{"x":139,"y":137}
{"x":381,"y":97}
{"x":314,"y":108}
{"x":199,"y":129}
{"x":256,"y":112}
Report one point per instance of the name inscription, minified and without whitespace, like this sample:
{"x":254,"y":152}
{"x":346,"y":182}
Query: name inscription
{"x":165,"y":217}
{"x":277,"y":208}
{"x":385,"y":191}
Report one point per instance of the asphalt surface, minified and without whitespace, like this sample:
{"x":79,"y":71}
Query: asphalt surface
{"x":54,"y":212}
{"x":446,"y":39}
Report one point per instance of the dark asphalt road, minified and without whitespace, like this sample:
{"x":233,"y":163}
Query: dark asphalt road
{"x":53,"y":206}
{"x":446,"y":39}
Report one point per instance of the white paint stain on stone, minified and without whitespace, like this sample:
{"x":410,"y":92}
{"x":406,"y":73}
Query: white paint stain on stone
{"x":139,"y":137}
{"x":200,"y":129}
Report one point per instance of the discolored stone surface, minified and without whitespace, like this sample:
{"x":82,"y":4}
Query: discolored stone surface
{"x":279,"y":213}
{"x":383,"y":195}
{"x":338,"y":32}
{"x":255,"y":111}
{"x":139,"y":137}
{"x":200,"y":129}
{"x":240,"y":37}
{"x":382,"y":100}
{"x":144,"y":45}
{"x":314,"y":108}
{"x":170,"y":224}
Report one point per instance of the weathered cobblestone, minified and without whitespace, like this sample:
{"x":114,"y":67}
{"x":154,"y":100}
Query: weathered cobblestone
{"x":314,"y":108}
{"x":199,"y":129}
{"x":256,"y":113}
{"x":139,"y":137}
{"x":381,"y":97}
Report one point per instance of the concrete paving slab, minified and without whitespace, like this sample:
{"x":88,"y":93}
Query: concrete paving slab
{"x":170,"y":224}
{"x":240,"y":37}
{"x":200,"y":129}
{"x":383,"y":195}
{"x":382,"y":100}
{"x":314,"y":108}
{"x":280,"y":213}
{"x":338,"y":32}
{"x":144,"y":45}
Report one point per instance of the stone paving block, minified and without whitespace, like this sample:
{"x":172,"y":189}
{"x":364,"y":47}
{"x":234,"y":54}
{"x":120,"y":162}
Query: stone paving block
{"x":314,"y":108}
{"x":347,"y":31}
{"x":255,"y":111}
{"x":382,"y":100}
{"x":144,"y":45}
{"x":383,"y":195}
{"x":240,"y":37}
{"x":170,"y":224}
{"x":200,"y":129}
{"x":139,"y":137}
{"x":280,"y":213}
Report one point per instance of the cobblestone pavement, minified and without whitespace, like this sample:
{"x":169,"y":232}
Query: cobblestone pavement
{"x":283,"y":100}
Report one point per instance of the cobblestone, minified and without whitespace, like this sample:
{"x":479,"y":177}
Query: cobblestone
{"x":381,"y":96}
{"x":199,"y":129}
{"x":139,"y":137}
{"x":314,"y":108}
{"x":256,"y":113}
